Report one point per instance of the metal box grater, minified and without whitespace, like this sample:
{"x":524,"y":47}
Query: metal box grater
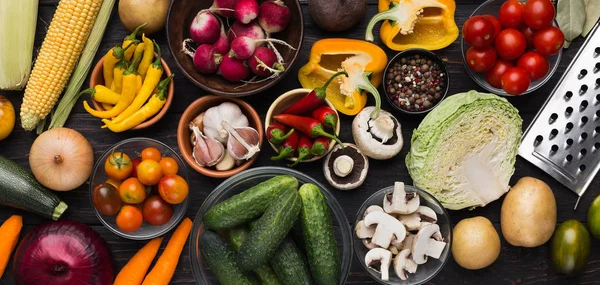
{"x":564,"y":137}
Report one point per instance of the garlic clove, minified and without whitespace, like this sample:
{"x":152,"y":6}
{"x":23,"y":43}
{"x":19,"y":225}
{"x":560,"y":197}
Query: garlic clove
{"x":207,"y":151}
{"x":226,"y":164}
{"x":382,"y":127}
{"x":243,"y":142}
{"x":198,"y":121}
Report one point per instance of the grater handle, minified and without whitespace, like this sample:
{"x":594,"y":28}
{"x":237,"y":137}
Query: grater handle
{"x":577,"y":203}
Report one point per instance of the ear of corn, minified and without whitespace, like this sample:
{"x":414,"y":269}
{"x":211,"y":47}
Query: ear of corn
{"x":66,"y":37}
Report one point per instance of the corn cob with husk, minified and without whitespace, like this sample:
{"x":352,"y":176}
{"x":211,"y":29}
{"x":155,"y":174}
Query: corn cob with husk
{"x":66,"y":37}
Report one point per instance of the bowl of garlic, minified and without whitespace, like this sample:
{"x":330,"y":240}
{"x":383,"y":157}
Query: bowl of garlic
{"x":219,"y":136}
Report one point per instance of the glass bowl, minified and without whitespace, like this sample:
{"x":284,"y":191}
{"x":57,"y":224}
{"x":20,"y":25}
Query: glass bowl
{"x":130,"y":146}
{"x":247,"y":179}
{"x":492,"y":7}
{"x":432,"y":267}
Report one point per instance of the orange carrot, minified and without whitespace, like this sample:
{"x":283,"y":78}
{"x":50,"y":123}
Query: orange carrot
{"x":134,"y":271}
{"x":9,"y":235}
{"x":163,"y":270}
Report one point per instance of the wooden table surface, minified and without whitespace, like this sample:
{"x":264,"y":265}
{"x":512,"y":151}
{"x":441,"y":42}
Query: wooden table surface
{"x":514,"y":266}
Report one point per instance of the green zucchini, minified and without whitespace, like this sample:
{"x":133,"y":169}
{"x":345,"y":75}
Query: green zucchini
{"x":321,"y":247}
{"x":19,"y":189}
{"x":248,"y":205}
{"x":221,"y":259}
{"x":265,"y":274}
{"x":290,"y":265}
{"x":264,"y":239}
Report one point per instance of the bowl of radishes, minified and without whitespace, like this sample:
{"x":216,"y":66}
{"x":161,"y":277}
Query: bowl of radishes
{"x":235,"y":47}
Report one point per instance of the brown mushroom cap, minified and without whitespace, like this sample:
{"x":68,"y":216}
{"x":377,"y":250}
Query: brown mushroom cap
{"x":359,"y":171}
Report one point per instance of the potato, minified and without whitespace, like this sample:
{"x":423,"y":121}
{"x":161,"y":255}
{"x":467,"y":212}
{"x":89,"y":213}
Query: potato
{"x":134,"y":13}
{"x":528,"y":214}
{"x":476,"y":243}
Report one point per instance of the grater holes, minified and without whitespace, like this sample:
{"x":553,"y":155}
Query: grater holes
{"x":568,"y":127}
{"x":597,"y":130}
{"x":554,"y":148}
{"x":598,"y":96}
{"x":597,"y":67}
{"x":582,"y":152}
{"x":597,"y":114}
{"x":583,"y":105}
{"x":596,"y":51}
{"x":584,"y":120}
{"x":582,"y":73}
{"x":553,"y":118}
{"x":569,"y":142}
{"x":597,"y":82}
{"x":568,"y":111}
{"x":596,"y":146}
{"x":584,"y":136}
{"x":553,"y":133}
{"x":583,"y":89}
{"x":568,"y":95}
{"x":582,"y":168}
{"x":538,"y":140}
{"x":568,"y":158}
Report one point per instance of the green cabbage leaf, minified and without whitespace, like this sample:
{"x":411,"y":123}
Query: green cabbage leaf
{"x":464,"y":151}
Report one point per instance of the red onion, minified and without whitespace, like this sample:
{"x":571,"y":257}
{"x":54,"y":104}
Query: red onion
{"x":63,"y":252}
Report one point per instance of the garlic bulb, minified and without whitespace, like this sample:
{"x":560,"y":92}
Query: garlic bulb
{"x":227,"y":111}
{"x":207,"y":151}
{"x":243,"y":142}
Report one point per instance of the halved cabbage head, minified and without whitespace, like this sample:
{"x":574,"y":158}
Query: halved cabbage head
{"x":464,"y":151}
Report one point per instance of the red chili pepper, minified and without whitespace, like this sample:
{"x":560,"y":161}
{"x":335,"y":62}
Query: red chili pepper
{"x":288,"y":147}
{"x":308,"y":126}
{"x":320,"y":146}
{"x":304,"y":145}
{"x":312,"y":100}
{"x":326,"y":116}
{"x":277,"y":133}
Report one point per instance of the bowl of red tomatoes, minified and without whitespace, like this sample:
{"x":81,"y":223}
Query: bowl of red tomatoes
{"x":512,"y":47}
{"x":139,"y":188}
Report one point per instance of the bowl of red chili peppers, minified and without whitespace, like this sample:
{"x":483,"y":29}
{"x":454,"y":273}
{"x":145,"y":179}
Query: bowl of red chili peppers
{"x":302,"y":126}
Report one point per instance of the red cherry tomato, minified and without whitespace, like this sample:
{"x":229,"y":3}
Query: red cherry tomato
{"x":510,"y":44}
{"x":478,"y":31}
{"x":515,"y":81}
{"x":494,"y":76}
{"x":528,"y":33}
{"x":481,"y":60}
{"x":536,"y":64}
{"x":495,"y":22}
{"x":156,"y":211}
{"x":511,"y":14}
{"x":538,"y":14}
{"x":136,"y":161}
{"x":548,"y":41}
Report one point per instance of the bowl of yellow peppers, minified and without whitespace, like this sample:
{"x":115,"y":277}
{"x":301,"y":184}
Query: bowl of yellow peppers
{"x":131,"y":86}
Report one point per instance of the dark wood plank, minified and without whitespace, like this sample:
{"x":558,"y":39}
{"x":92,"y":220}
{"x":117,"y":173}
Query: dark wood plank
{"x":515,"y":265}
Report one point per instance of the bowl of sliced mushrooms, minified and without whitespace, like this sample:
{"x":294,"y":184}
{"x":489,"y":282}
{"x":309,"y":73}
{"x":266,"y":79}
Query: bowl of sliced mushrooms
{"x":402,"y":235}
{"x":219,"y":136}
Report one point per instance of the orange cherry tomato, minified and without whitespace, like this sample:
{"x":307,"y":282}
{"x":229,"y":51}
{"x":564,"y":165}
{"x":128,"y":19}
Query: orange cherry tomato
{"x":168,"y":165}
{"x":149,"y":172}
{"x":173,"y":189}
{"x":130,"y":218}
{"x":132,"y":191}
{"x":118,"y":166}
{"x":151,"y":153}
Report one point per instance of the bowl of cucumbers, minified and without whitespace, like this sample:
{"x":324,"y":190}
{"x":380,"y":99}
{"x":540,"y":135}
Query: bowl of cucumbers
{"x":270,"y":225}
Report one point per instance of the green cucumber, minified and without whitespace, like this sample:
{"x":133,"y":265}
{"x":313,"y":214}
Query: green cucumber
{"x":19,"y":189}
{"x":270,"y":230}
{"x":265,"y":274}
{"x":290,"y":265}
{"x":321,"y":247}
{"x":248,"y":205}
{"x":221,"y":259}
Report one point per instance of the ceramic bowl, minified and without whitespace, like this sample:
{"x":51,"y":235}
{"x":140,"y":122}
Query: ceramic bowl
{"x":130,"y":147}
{"x":198,"y":107}
{"x":97,"y":77}
{"x":287,"y":99}
{"x":181,"y":14}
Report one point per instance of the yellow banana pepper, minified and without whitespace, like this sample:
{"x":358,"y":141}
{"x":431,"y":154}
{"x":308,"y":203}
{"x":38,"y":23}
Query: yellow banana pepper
{"x":148,"y":56}
{"x":131,"y":39}
{"x":112,"y":57}
{"x":102,"y":94}
{"x":139,"y":50}
{"x":120,"y":67}
{"x":427,"y":24}
{"x":364,"y":63}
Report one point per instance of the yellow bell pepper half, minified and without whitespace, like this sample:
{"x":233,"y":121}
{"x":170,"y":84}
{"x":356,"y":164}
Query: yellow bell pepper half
{"x":427,"y":24}
{"x":364,"y":63}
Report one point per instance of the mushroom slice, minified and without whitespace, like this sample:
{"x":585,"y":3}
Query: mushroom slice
{"x":403,"y":264}
{"x":368,"y":244}
{"x":363,"y":231}
{"x":414,"y":221}
{"x":408,"y":242}
{"x":411,"y":221}
{"x":373,"y":208}
{"x":388,"y":228}
{"x":379,"y":138}
{"x":423,"y":224}
{"x":424,"y":246}
{"x":347,"y":168}
{"x":400,"y":202}
{"x":379,"y":259}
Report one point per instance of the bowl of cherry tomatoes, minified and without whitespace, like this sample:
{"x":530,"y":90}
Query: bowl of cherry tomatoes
{"x":512,"y":47}
{"x":139,"y":188}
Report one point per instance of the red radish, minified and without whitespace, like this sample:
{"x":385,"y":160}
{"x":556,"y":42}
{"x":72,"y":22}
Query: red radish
{"x":273,"y":16}
{"x":205,"y":28}
{"x":206,"y":59}
{"x":222,"y":44}
{"x":233,"y":69}
{"x":244,"y":47}
{"x":224,"y":8}
{"x":246,"y":11}
{"x":264,"y":62}
{"x":252,"y":30}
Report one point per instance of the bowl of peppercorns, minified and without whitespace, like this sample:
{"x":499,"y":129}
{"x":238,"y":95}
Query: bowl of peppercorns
{"x":415,"y":81}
